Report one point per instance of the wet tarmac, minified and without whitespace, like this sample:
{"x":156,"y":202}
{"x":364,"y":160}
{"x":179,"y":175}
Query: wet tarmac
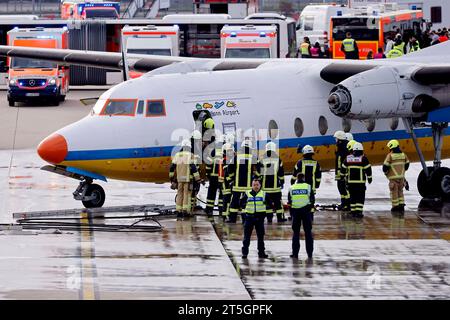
{"x":379,"y":257}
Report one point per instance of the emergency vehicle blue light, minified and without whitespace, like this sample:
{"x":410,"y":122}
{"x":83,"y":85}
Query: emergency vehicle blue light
{"x":80,"y":9}
{"x":43,"y":83}
{"x":15,"y":28}
{"x":413,"y":7}
{"x":21,"y":83}
{"x":339,"y":13}
{"x":233,"y":34}
{"x":262,"y":34}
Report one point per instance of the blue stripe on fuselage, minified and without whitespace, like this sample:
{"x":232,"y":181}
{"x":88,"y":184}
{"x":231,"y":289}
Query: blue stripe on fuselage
{"x":166,"y":151}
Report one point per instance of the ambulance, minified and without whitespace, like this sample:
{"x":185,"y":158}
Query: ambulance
{"x":249,"y":41}
{"x":34,"y":79}
{"x":92,"y":9}
{"x":152,"y":40}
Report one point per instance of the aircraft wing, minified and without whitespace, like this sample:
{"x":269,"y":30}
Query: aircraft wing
{"x":113,"y":60}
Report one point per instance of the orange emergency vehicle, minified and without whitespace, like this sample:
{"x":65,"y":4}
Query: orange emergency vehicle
{"x":93,"y":9}
{"x":370,"y":31}
{"x":33,"y":79}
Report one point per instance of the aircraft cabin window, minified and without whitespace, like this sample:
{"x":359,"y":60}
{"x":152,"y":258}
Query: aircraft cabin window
{"x":346,"y":125}
{"x":156,"y":108}
{"x":298,"y":127}
{"x":394,"y":123}
{"x":273,"y":129}
{"x":119,"y":107}
{"x":140,"y":109}
{"x":323,"y":125}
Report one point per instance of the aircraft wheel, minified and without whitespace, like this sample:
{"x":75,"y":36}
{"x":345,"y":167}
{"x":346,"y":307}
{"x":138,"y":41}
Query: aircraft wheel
{"x":424,"y":185}
{"x":99,"y":196}
{"x":440,"y":180}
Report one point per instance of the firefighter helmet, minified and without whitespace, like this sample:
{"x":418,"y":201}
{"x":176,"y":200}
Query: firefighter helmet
{"x":307,"y":149}
{"x":393,"y":144}
{"x":358,"y":147}
{"x":340,"y":135}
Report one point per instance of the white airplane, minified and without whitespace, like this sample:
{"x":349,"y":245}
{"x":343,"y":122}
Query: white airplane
{"x":131,"y":131}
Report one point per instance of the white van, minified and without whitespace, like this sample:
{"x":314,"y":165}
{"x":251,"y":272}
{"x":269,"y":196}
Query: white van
{"x":314,"y":21}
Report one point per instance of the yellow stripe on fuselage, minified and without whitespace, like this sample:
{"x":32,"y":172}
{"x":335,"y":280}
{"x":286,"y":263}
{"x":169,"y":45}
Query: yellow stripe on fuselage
{"x":156,"y":169}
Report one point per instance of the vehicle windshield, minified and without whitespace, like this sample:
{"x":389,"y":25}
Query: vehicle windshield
{"x":157,"y":52}
{"x":101,"y":13}
{"x":360,"y":28}
{"x":261,"y":53}
{"x":22,"y":63}
{"x":307,"y":22}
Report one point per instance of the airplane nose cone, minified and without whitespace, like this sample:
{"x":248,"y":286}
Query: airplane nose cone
{"x":53,"y":149}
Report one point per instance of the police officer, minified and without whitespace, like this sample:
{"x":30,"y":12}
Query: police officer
{"x":311,"y":171}
{"x":357,"y":169}
{"x":394,"y":167}
{"x":414,"y":45}
{"x":305,"y":48}
{"x":183,"y":171}
{"x":341,"y":154}
{"x":398,"y":49}
{"x":255,"y":210}
{"x":227,"y":156}
{"x":239,"y":173}
{"x":300,"y":200}
{"x":213,"y":162}
{"x":350,"y":47}
{"x":271,"y":171}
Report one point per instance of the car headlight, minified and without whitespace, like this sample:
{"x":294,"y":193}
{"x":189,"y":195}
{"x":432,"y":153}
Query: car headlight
{"x":12,"y":82}
{"x":52,"y":81}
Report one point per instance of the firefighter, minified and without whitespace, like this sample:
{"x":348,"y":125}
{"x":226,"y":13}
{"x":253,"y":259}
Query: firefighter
{"x":183,"y":171}
{"x":341,"y":154}
{"x":357,"y":169}
{"x":394,"y":167}
{"x":271,"y":171}
{"x":239,"y":173}
{"x":254,"y":201}
{"x":350,"y":47}
{"x":350,"y":145}
{"x":213,"y":162}
{"x":227,"y":156}
{"x":196,"y":149}
{"x":300,"y":200}
{"x":310,"y":168}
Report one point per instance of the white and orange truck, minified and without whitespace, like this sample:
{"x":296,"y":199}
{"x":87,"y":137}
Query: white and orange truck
{"x":34,"y":79}
{"x":151,"y":40}
{"x":89,"y":9}
{"x":249,"y":41}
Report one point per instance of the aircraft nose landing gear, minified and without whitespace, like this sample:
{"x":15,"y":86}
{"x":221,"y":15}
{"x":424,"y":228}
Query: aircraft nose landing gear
{"x":91,"y":195}
{"x":433,"y":182}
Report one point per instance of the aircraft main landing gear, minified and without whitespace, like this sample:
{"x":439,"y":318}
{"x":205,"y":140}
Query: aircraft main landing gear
{"x":433,"y":182}
{"x":91,"y":195}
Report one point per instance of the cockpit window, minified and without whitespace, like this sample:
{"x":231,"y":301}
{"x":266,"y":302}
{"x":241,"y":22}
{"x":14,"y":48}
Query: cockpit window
{"x":119,"y":107}
{"x":156,"y":108}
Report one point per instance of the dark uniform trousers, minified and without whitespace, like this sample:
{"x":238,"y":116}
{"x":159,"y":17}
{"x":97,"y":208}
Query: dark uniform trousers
{"x":214,"y":186}
{"x":273,"y":202}
{"x":256,"y":221}
{"x":357,"y":196}
{"x":235,"y":205}
{"x":299,"y":217}
{"x":343,"y":191}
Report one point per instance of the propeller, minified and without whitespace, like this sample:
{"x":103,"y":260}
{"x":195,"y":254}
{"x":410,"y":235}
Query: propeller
{"x":89,"y":101}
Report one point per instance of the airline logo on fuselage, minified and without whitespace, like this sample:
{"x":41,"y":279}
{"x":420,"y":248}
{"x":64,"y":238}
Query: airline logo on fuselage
{"x":228,"y":108}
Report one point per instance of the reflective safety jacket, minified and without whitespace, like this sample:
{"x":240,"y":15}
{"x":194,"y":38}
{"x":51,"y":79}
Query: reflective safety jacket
{"x":270,"y":168}
{"x":349,"y":45}
{"x":341,"y":154}
{"x":395,"y":165}
{"x":300,"y":195}
{"x":304,"y":48}
{"x":414,"y":47}
{"x":213,"y":161}
{"x":357,"y":169}
{"x":241,"y":171}
{"x":254,"y":202}
{"x":184,"y":167}
{"x":311,"y":169}
{"x":394,"y":53}
{"x":223,"y":171}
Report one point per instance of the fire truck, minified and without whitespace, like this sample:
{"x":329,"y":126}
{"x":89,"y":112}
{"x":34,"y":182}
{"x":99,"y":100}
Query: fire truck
{"x":92,"y":9}
{"x":34,"y":79}
{"x":248,"y":41}
{"x":151,"y":39}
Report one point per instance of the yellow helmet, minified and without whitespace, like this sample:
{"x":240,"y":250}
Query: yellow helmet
{"x":393,"y":144}
{"x":209,"y":123}
{"x":350,"y":145}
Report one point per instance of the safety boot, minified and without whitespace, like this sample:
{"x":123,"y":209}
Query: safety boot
{"x":262,"y":255}
{"x":280,"y":218}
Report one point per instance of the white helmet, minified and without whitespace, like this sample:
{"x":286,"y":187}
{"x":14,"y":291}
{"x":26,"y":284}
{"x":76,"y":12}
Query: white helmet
{"x":358,"y":146}
{"x":227,"y":146}
{"x":307,"y":149}
{"x":229,"y":138}
{"x":186,"y":143}
{"x":271,"y":146}
{"x":340,"y":135}
{"x":246,"y":143}
{"x":349,"y":136}
{"x":196,"y":135}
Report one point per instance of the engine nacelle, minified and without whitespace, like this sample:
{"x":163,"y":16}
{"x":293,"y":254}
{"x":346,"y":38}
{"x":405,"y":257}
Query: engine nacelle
{"x":380,"y":93}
